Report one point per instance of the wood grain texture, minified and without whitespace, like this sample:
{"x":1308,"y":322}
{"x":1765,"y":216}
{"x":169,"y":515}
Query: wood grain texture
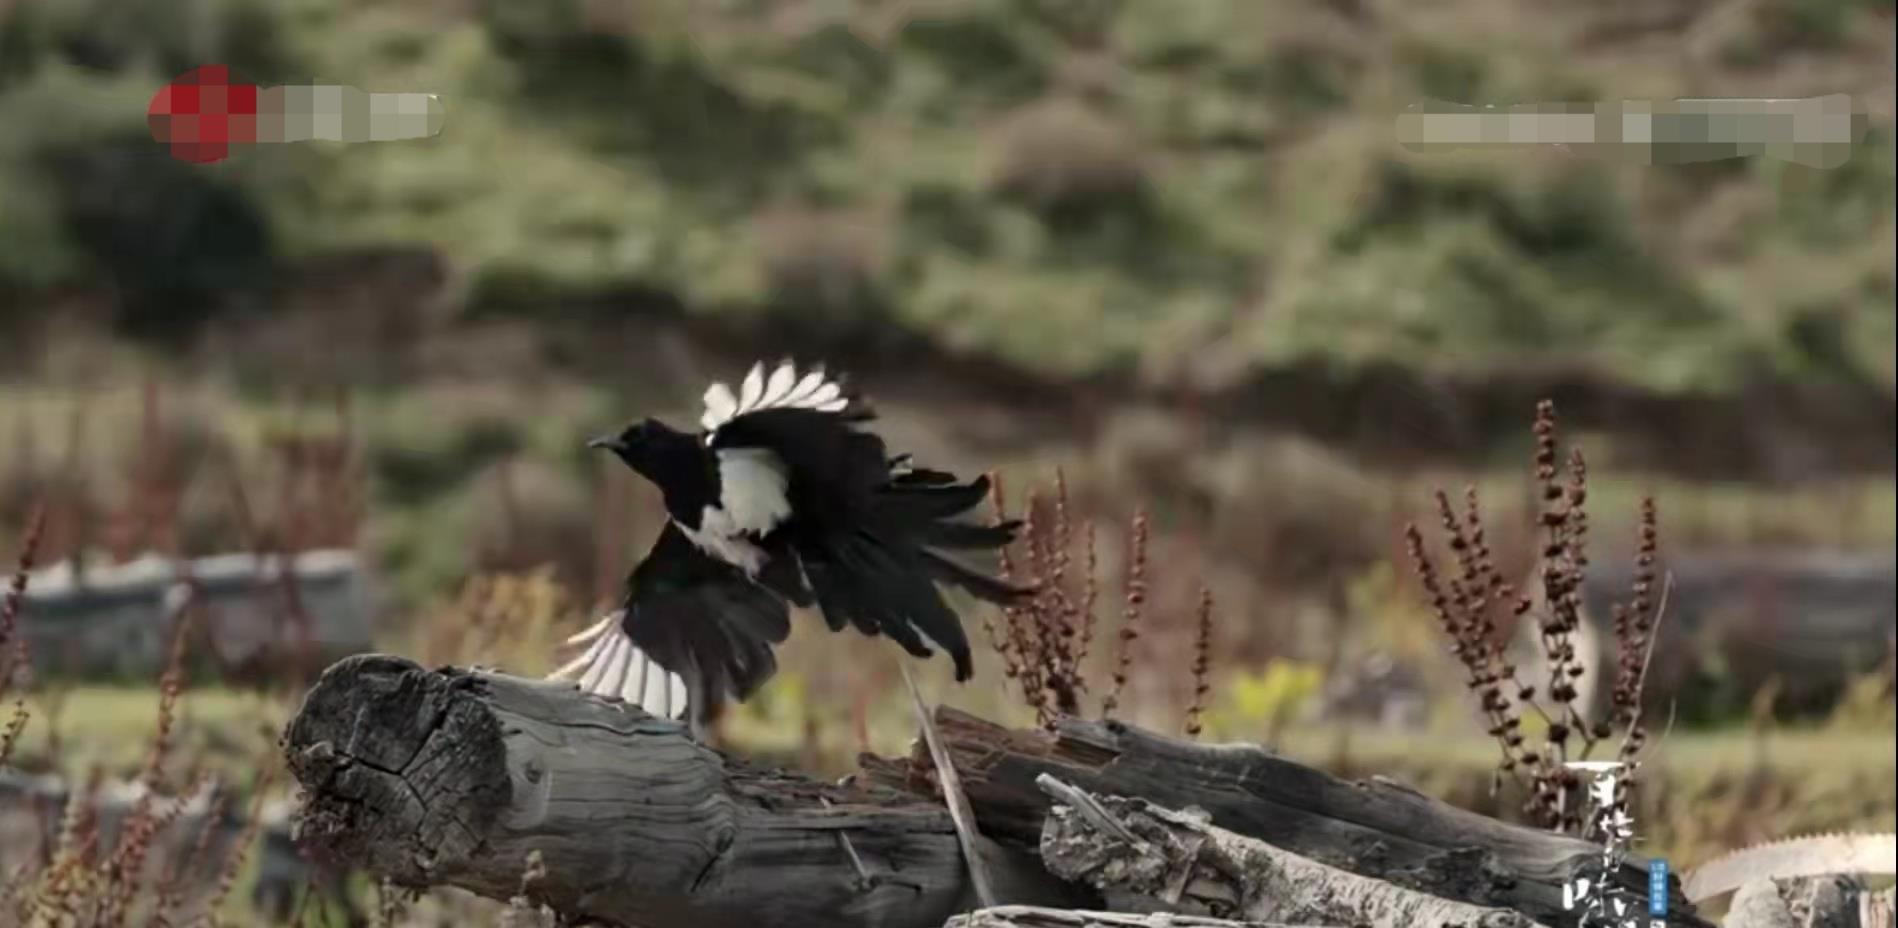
{"x":453,"y":777}
{"x":1175,"y":858}
{"x":1377,"y":828}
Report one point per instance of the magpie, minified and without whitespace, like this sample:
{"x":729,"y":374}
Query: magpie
{"x":782,"y":498}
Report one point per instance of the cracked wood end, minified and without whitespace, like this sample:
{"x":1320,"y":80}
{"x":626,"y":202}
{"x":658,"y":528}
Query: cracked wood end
{"x":454,"y":777}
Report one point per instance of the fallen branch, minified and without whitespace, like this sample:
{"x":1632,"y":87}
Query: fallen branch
{"x":1376,"y":828}
{"x":1132,"y":846}
{"x":1022,"y":916}
{"x":454,"y":777}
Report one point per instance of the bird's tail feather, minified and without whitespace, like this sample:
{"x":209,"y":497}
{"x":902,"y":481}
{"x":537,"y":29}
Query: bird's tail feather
{"x":921,"y":509}
{"x":918,"y":497}
{"x":967,"y":536}
{"x":880,"y":589}
{"x":983,"y":586}
{"x":882,"y":578}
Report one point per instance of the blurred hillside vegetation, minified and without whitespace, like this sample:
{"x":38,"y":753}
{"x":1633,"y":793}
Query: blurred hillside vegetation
{"x":1176,"y":193}
{"x":1113,"y":237}
{"x":1090,"y":208}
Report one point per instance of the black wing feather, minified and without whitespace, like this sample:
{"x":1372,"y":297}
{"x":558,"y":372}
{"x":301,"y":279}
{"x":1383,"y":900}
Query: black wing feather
{"x":865,"y":527}
{"x":704,"y":620}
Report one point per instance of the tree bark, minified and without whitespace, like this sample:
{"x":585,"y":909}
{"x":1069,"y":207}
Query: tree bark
{"x":456,"y":777}
{"x":1377,"y":828}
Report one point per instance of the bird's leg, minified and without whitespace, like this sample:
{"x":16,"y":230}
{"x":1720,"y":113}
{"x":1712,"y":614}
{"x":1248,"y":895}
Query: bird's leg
{"x":698,"y":708}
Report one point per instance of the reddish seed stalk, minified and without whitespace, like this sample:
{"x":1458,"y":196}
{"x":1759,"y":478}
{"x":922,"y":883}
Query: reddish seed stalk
{"x":84,"y":883}
{"x":1060,"y":619}
{"x":1089,"y":593}
{"x":1020,"y":643}
{"x":1070,"y":616}
{"x":1000,"y":641}
{"x":125,"y":874}
{"x":15,"y":655}
{"x":1464,"y":604}
{"x":1135,"y":585}
{"x":172,"y":884}
{"x":1471,"y":648}
{"x":1032,"y":631}
{"x":1634,"y":631}
{"x":1048,"y":637}
{"x":11,"y":604}
{"x":123,"y":869}
{"x":1202,"y":663}
{"x":234,"y":862}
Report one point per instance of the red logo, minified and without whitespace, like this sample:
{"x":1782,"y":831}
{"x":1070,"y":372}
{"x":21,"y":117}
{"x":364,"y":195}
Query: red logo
{"x":201,"y":114}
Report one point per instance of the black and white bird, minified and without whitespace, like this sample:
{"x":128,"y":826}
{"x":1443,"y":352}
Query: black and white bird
{"x":781,"y":499}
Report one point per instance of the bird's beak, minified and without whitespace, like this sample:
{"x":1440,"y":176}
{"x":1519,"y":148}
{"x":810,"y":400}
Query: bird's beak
{"x":604,"y":441}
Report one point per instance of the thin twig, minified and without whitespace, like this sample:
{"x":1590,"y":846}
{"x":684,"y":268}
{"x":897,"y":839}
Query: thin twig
{"x":959,"y":811}
{"x":1085,"y":806}
{"x":850,"y":850}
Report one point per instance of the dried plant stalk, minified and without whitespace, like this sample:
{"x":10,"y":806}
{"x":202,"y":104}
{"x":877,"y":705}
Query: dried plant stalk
{"x":1465,"y":605}
{"x":1202,"y":663}
{"x":1135,"y":594}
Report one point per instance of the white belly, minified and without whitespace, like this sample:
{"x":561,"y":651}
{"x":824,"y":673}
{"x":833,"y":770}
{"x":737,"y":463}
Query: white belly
{"x":718,"y":536}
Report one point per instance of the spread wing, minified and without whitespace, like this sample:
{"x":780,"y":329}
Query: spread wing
{"x":783,"y":388}
{"x":786,"y":456}
{"x":788,"y":437}
{"x":860,"y":533}
{"x":689,"y":623}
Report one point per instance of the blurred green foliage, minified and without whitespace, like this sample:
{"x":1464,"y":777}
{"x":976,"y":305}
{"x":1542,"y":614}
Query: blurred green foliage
{"x":1075,"y":187}
{"x":1259,"y":703}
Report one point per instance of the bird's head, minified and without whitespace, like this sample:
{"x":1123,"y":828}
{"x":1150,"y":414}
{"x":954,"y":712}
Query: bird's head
{"x":638,"y":444}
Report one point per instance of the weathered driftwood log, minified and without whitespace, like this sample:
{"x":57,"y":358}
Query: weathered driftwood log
{"x":116,"y":620}
{"x":1175,"y":858}
{"x":1027,"y":916}
{"x":453,"y":777}
{"x":1377,"y":828}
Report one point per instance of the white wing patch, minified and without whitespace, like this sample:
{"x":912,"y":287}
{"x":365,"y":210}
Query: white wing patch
{"x":614,"y":667}
{"x":751,"y":502}
{"x":751,"y":487}
{"x":783,"y":387}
